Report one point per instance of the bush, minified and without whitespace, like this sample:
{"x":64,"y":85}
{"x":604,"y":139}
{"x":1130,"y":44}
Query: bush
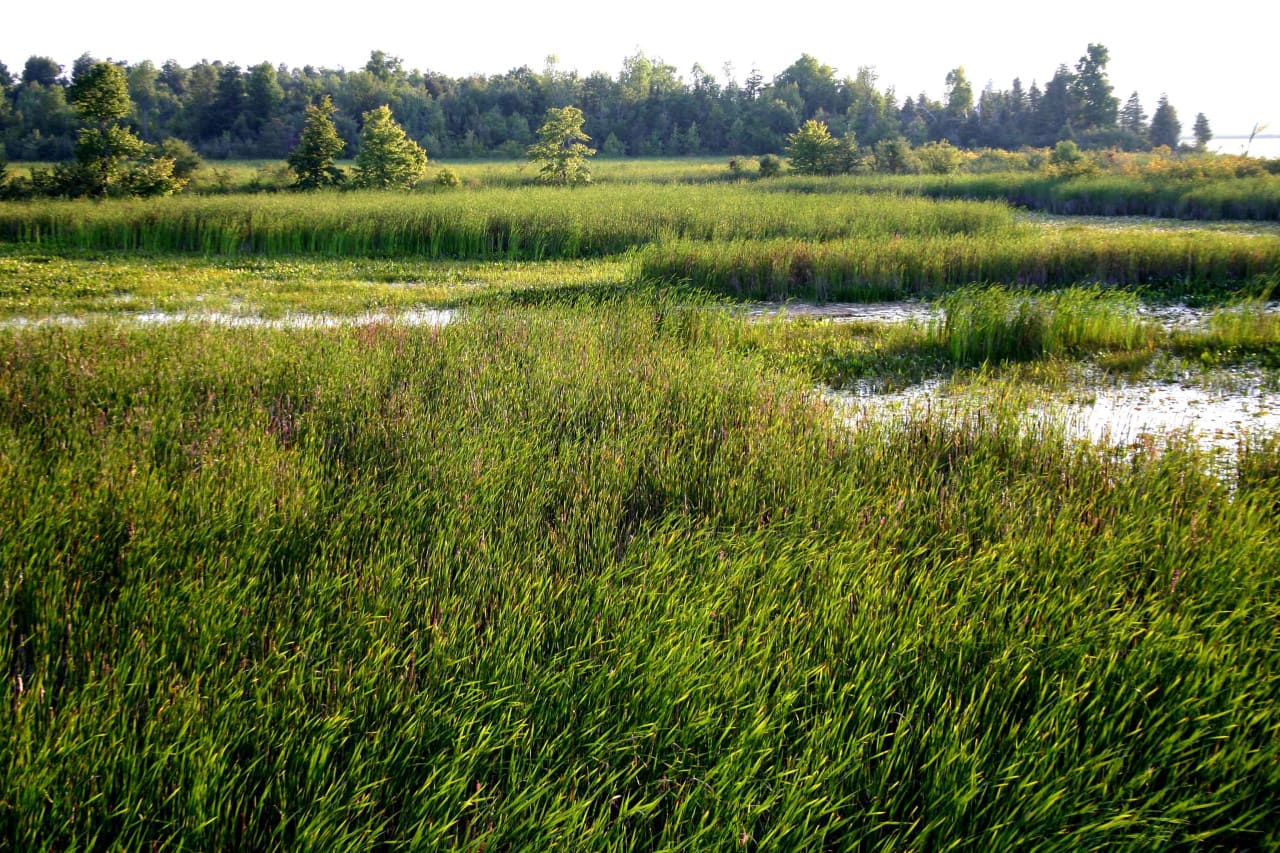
{"x":272,"y":177}
{"x":770,"y":166}
{"x":448,"y":178}
{"x":940,"y":158}
{"x":154,"y":177}
{"x":186,"y":162}
{"x":1068,"y":161}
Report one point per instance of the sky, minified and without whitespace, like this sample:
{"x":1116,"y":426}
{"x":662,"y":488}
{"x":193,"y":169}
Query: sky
{"x":1222,"y":65}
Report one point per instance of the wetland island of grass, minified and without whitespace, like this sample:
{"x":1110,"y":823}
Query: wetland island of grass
{"x":687,"y":509}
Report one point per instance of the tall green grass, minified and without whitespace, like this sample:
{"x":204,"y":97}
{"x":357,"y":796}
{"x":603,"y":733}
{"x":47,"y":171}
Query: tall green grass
{"x":526,"y":223}
{"x":996,"y":324}
{"x":893,"y":267}
{"x":1255,"y":198}
{"x":602,"y":579}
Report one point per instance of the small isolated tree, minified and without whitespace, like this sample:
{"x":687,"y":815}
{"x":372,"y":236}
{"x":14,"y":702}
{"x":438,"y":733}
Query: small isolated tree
{"x":1165,"y":127}
{"x":388,"y":159}
{"x":811,"y":149}
{"x":312,"y":159}
{"x":101,"y":97}
{"x":561,"y":151}
{"x":1202,"y":131}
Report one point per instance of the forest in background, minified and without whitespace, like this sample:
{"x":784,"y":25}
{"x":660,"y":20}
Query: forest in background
{"x":648,"y":109}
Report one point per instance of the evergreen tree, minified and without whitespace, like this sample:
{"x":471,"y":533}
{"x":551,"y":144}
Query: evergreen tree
{"x":101,"y":97}
{"x":388,"y":159}
{"x":1202,"y":132}
{"x":1165,"y":127}
{"x":1132,"y":118}
{"x":1058,"y":106}
{"x":312,"y":159}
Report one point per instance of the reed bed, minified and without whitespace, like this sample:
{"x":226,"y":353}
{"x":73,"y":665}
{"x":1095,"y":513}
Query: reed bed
{"x":1251,"y":198}
{"x":895,"y":267}
{"x":990,"y":324}
{"x":603,"y":579}
{"x":527,"y":223}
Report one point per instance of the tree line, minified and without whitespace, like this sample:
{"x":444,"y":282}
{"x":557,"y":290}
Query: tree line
{"x":647,"y":109}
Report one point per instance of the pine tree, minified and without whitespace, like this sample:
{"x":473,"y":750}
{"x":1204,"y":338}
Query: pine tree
{"x":388,"y":159}
{"x":312,"y":159}
{"x":1132,"y":118}
{"x":1202,"y":132}
{"x":101,"y":97}
{"x":1165,"y":127}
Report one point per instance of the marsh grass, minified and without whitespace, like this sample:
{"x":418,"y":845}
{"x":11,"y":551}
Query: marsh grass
{"x":36,"y":284}
{"x":898,"y":266}
{"x":530,"y":223}
{"x":1246,"y":330}
{"x":605,"y":579}
{"x":1250,"y":198}
{"x":996,"y":324}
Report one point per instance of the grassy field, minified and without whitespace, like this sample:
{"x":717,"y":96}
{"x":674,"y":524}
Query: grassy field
{"x":597,"y":565}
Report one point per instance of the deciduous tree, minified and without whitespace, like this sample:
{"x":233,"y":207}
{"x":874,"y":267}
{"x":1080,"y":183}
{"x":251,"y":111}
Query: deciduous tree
{"x":388,"y":159}
{"x":1097,"y":106}
{"x":561,"y":152}
{"x":811,"y":149}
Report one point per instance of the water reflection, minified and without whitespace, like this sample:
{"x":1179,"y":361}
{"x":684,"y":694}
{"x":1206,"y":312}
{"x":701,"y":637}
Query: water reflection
{"x":1134,"y":415}
{"x":411,"y":317}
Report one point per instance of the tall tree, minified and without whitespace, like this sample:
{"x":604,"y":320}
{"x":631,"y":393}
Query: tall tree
{"x":143,"y":91}
{"x":1165,"y":127}
{"x":81,"y":66}
{"x":312,"y":159}
{"x":816,"y":84}
{"x":1092,"y":90}
{"x":1132,"y":117}
{"x":42,"y":70}
{"x":1058,"y":108}
{"x":384,"y":66}
{"x":101,"y":97}
{"x":263,"y":95}
{"x":227,"y":105}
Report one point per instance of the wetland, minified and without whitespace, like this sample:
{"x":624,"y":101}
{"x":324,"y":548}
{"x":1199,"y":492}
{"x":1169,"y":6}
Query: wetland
{"x":649,"y":515}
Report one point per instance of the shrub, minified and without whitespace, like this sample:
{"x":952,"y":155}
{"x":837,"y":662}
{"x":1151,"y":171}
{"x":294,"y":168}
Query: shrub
{"x":448,"y":178}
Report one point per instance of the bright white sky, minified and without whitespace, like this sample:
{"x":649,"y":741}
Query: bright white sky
{"x":1217,"y":60}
